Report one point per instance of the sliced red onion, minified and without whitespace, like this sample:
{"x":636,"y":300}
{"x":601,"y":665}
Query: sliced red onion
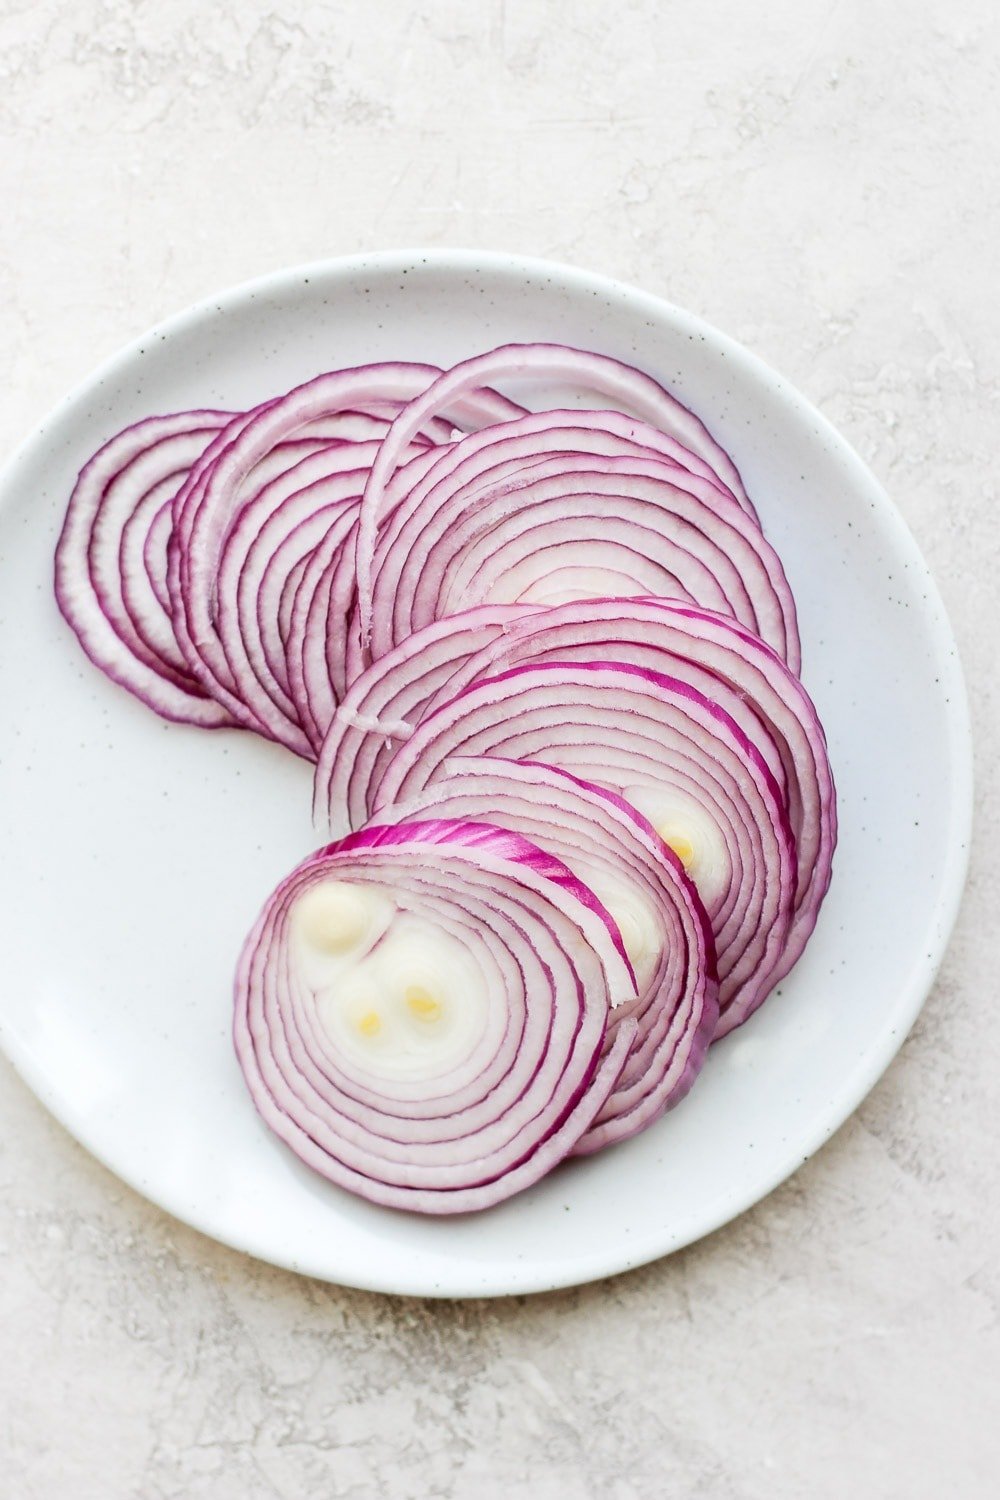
{"x":523,"y":443}
{"x":311,"y":505}
{"x":429,"y":612}
{"x":517,"y":534}
{"x":96,"y":583}
{"x":664,"y":927}
{"x":323,"y":647}
{"x":372,"y":421}
{"x":626,"y":387}
{"x":286,"y":605}
{"x":382,"y":707}
{"x":320,"y":620}
{"x":421,"y":1010}
{"x":675,"y":755}
{"x":719,"y":659}
{"x":217,"y":488}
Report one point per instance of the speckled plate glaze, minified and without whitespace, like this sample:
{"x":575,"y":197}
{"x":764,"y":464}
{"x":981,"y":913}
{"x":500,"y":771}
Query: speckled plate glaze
{"x":137,"y":853}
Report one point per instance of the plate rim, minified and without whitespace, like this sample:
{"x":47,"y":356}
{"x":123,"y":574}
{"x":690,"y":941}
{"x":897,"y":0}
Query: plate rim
{"x":480,"y":1278}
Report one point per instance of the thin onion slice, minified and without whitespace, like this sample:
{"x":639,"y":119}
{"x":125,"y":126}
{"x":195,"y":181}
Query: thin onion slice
{"x":210,"y":501}
{"x":311,"y":506}
{"x":384,"y":705}
{"x":662,"y":744}
{"x":97,"y":583}
{"x":547,"y":664}
{"x":713,"y":655}
{"x":716,"y":657}
{"x":439,"y":1127}
{"x":664,"y":927}
{"x":626,"y":387}
{"x":570,"y":526}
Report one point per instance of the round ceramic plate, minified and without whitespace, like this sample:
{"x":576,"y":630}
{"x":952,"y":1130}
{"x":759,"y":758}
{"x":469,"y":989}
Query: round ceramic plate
{"x":137,"y":853}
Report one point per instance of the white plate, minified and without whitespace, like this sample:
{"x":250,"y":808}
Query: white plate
{"x":137,"y":853}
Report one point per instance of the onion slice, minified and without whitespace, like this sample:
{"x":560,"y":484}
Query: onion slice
{"x":626,"y":387}
{"x":383,"y":706}
{"x":216,"y":490}
{"x":569,"y":527}
{"x":674,"y":754}
{"x":547,"y":665}
{"x":664,"y":927}
{"x":719,"y":659}
{"x":102,"y":565}
{"x":439,"y":924}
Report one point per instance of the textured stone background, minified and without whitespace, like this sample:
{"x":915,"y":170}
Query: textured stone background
{"x":820,"y":180}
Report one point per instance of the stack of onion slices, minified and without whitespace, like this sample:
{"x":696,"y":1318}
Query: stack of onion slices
{"x":546,"y":663}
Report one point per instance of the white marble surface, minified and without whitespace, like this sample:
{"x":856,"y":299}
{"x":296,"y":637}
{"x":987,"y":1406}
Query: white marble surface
{"x":820,"y":180}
